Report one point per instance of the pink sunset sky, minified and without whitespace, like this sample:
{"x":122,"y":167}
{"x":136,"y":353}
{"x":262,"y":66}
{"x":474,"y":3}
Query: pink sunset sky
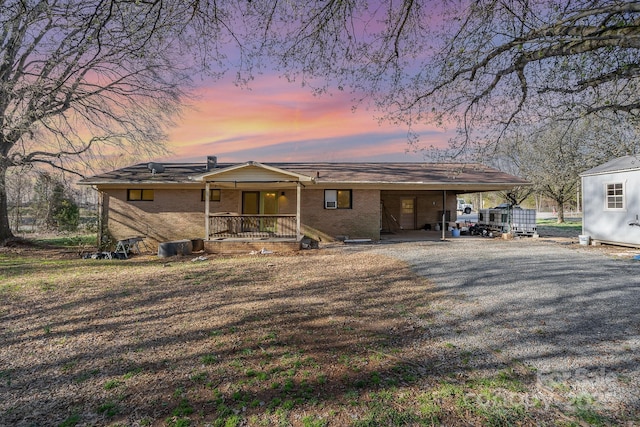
{"x":274,"y":120}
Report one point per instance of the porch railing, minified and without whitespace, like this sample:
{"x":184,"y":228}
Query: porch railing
{"x":252,"y":226}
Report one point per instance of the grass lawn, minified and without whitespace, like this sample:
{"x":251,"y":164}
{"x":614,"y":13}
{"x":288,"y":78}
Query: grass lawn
{"x":70,"y":241}
{"x":313,"y":339}
{"x":572,"y":227}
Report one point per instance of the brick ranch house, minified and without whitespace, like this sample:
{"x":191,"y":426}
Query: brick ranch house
{"x":258,"y":205}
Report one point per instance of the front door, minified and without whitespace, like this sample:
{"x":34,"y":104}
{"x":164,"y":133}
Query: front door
{"x":408,"y":214}
{"x":260,"y":203}
{"x":268,"y":206}
{"x":268,"y":203}
{"x":250,"y":202}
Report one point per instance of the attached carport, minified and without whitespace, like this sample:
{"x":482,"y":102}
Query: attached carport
{"x":412,"y":195}
{"x":429,"y":206}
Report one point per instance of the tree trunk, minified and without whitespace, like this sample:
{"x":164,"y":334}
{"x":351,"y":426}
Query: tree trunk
{"x":560,"y":213}
{"x":5,"y":230}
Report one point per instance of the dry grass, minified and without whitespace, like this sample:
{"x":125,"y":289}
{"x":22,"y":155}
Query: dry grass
{"x":322,"y":338}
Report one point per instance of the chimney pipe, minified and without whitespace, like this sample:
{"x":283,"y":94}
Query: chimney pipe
{"x":212,"y":162}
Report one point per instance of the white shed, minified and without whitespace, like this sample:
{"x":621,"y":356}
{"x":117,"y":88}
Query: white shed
{"x":611,"y":202}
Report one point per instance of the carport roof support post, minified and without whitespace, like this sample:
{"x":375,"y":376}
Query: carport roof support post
{"x":444,"y":212}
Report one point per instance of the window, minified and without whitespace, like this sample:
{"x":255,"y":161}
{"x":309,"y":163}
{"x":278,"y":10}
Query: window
{"x":615,"y":196}
{"x":337,"y":199}
{"x":140,"y":195}
{"x":214,"y":195}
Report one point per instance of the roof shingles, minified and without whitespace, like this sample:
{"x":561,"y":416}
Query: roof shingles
{"x":324,"y":172}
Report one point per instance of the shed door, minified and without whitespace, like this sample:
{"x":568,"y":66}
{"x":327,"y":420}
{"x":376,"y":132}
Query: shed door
{"x":408,"y":214}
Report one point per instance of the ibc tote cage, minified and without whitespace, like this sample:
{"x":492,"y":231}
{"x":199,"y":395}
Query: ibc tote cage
{"x":519,"y":222}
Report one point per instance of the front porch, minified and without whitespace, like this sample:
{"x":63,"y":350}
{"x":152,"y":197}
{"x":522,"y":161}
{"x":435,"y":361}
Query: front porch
{"x":263,"y":214}
{"x":230,"y":225}
{"x":231,"y":232}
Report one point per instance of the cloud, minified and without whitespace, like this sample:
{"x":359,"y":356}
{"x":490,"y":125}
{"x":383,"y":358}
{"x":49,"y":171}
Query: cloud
{"x":278,"y":121}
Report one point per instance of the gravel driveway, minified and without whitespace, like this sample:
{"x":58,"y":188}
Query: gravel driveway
{"x":570,"y":312}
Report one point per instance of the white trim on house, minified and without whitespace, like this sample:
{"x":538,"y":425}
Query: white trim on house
{"x":606,"y":185}
{"x":253,"y":172}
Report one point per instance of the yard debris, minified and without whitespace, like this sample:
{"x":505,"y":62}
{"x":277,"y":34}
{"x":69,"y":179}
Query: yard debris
{"x":262,"y":251}
{"x":357,"y":241}
{"x":104,"y":255}
{"x":200,"y":258}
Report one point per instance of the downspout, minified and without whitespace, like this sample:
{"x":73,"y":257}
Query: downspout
{"x":207,"y":190}
{"x":444,"y":212}
{"x":298,"y":194}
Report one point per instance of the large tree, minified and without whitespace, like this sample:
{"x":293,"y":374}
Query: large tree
{"x":552,"y":156}
{"x":478,"y":65}
{"x":81,"y":77}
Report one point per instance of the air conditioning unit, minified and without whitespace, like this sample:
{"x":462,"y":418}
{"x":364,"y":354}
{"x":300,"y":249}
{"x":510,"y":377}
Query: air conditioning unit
{"x":330,"y":204}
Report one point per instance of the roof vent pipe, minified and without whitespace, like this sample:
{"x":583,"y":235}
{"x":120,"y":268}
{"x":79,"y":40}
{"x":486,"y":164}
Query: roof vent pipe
{"x":212,"y":162}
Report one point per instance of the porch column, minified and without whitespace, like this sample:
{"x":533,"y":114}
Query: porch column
{"x":298,"y":193}
{"x":102,"y":219}
{"x":207,"y":186}
{"x":444,"y":212}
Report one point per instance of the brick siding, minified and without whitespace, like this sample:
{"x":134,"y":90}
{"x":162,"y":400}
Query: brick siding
{"x":361,"y":221}
{"x":174,"y":214}
{"x":177,"y":214}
